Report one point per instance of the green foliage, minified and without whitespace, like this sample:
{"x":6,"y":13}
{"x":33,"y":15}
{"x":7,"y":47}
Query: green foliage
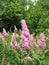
{"x":12,"y":56}
{"x":36,"y":16}
{"x":1,"y":51}
{"x":16,"y":56}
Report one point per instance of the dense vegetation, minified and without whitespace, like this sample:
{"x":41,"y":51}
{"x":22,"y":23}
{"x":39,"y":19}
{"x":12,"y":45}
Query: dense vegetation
{"x":36,"y":16}
{"x":24,"y":48}
{"x":13,"y":53}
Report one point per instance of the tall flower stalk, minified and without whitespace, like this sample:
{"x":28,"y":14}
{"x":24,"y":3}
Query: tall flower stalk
{"x":41,"y":41}
{"x":13,"y":41}
{"x":25,"y":35}
{"x":4,"y":32}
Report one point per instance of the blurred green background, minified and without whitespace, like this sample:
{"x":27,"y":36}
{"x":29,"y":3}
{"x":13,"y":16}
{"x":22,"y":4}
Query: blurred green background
{"x":35,"y":13}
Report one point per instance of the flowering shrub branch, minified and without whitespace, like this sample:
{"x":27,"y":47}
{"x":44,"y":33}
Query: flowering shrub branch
{"x":28,"y":51}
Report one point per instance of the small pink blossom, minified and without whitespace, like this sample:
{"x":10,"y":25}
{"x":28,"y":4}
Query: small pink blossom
{"x":4,"y":32}
{"x":25,"y":33}
{"x":42,"y":40}
{"x":13,"y":42}
{"x":25,"y":43}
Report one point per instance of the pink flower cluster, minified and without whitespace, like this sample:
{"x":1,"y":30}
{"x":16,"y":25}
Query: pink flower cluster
{"x":27,"y":39}
{"x":42,"y":40}
{"x":25,"y":35}
{"x":13,"y":42}
{"x":4,"y":32}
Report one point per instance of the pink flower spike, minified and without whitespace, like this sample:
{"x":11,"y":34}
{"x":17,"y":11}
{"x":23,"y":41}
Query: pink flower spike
{"x":13,"y":42}
{"x":4,"y":32}
{"x":42,"y":40}
{"x":25,"y":35}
